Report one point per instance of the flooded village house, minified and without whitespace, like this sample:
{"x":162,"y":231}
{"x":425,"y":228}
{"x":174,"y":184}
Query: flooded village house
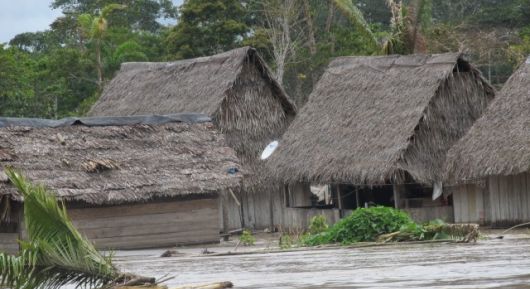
{"x":376,"y":130}
{"x":491,"y":163}
{"x":246,"y":104}
{"x":128,"y":182}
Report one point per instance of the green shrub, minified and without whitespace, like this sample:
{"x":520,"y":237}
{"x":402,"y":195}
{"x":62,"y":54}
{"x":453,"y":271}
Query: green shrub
{"x":318,"y":224}
{"x":286,"y":241}
{"x":364,"y":224}
{"x":246,"y":238}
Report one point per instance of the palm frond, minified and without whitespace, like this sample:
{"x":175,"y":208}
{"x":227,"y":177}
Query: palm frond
{"x":349,"y":10}
{"x":56,"y":253}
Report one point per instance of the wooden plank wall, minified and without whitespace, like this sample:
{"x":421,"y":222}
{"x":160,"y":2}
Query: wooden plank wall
{"x":261,"y":204}
{"x":230,"y":212}
{"x":150,"y":225}
{"x":509,"y":200}
{"x":426,"y":214}
{"x":9,"y":243}
{"x":469,"y":204}
{"x":298,"y":219}
{"x":261,"y":210}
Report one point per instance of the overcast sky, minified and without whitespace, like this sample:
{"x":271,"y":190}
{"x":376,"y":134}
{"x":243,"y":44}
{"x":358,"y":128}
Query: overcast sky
{"x":17,"y":16}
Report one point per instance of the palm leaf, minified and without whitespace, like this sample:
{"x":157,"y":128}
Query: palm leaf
{"x":56,"y":253}
{"x":349,"y":10}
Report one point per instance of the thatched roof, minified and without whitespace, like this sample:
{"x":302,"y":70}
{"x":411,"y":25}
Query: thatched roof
{"x":192,"y":85}
{"x":126,"y":161}
{"x":235,"y":88}
{"x":373,"y":120}
{"x":499,"y":142}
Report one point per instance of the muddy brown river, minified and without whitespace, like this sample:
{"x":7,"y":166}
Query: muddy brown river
{"x":487,"y":264}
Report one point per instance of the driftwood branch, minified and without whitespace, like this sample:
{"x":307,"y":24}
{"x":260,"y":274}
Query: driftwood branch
{"x":220,"y":285}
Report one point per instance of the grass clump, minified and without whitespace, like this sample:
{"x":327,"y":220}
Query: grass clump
{"x":286,"y":241}
{"x":246,"y":238}
{"x":318,"y":224}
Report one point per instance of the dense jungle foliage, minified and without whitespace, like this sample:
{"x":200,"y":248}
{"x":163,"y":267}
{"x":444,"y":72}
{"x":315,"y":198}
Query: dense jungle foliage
{"x":62,"y":70}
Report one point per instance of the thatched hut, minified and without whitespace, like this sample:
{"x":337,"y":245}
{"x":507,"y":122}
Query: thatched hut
{"x":377,"y":129}
{"x":128,"y":182}
{"x":236,"y":89}
{"x":493,"y":159}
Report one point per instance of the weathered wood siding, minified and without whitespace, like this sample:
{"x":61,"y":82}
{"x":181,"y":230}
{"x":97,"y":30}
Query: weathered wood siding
{"x":425,"y":214}
{"x":469,"y":204}
{"x":298,"y":219}
{"x":230,"y":212}
{"x":148,"y":225}
{"x":11,"y":233}
{"x":300,"y":195}
{"x":9,"y":242}
{"x":509,"y":200}
{"x":504,"y":201}
{"x":260,"y":210}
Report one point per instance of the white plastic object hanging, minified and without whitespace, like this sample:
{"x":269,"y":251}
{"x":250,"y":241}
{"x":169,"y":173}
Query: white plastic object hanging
{"x":267,"y":152}
{"x":437,"y":190}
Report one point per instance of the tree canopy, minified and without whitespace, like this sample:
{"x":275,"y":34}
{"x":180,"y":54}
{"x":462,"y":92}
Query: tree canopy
{"x":62,"y":70}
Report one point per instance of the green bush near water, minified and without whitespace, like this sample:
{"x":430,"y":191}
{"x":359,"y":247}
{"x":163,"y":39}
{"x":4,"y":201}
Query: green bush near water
{"x":318,"y":224}
{"x":363,"y":225}
{"x":246,"y":238}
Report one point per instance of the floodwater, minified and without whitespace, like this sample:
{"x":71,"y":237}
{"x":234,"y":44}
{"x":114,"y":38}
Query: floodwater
{"x":489,"y":263}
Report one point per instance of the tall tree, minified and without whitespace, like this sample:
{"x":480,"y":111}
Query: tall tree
{"x":354,"y":14}
{"x":95,"y":28}
{"x":408,"y":25}
{"x":15,"y":81}
{"x":207,"y":27}
{"x":282,"y":21}
{"x":138,"y":15}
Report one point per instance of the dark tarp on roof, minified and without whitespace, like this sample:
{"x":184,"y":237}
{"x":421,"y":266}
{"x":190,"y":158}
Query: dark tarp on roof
{"x":105,"y":121}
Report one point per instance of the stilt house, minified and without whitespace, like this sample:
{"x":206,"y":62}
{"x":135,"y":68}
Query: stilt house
{"x":245,"y":102}
{"x":127,"y":182}
{"x":491,"y":163}
{"x":375,"y":131}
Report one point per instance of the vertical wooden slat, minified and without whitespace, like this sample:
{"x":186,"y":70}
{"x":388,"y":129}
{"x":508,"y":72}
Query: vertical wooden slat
{"x":471,"y":203}
{"x":339,"y":197}
{"x":479,"y":203}
{"x":396,"y":195}
{"x":487,"y":202}
{"x":494,"y":198}
{"x":511,"y":198}
{"x":357,"y":198}
{"x":527,"y":193}
{"x":517,"y":196}
{"x":457,"y":204}
{"x":505,"y":210}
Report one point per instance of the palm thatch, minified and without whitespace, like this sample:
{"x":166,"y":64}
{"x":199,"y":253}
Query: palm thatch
{"x":373,"y":120}
{"x":499,"y":142}
{"x":235,"y":88}
{"x":114,"y":164}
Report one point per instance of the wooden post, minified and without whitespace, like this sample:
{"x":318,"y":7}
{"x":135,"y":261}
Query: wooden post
{"x":286,"y":196}
{"x":241,"y":214}
{"x":271,"y":207}
{"x":339,"y":197}
{"x":357,"y":198}
{"x":396,"y":196}
{"x":339,"y":201}
{"x":222,"y":219}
